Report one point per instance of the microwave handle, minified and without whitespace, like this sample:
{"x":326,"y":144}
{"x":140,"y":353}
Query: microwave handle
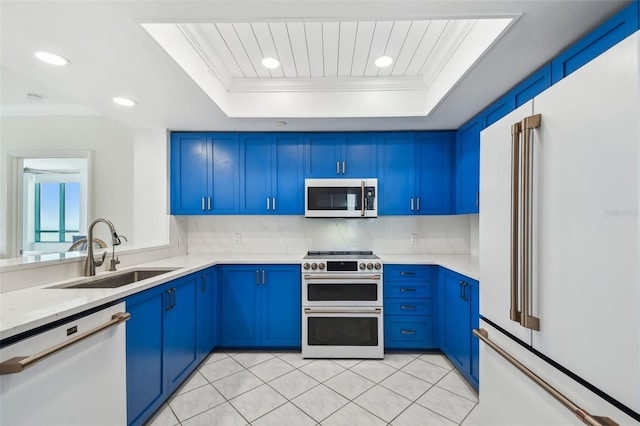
{"x":362,"y":191}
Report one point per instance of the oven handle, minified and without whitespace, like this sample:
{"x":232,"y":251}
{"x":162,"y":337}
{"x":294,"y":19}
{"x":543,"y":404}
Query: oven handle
{"x":342,"y":277}
{"x":377,"y":311}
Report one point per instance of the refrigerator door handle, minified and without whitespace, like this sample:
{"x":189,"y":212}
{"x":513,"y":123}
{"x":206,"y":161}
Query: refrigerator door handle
{"x":516,"y":130}
{"x":526,"y":319}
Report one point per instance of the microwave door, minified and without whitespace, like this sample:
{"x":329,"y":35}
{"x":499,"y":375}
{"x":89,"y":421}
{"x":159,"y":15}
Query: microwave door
{"x":337,"y":201}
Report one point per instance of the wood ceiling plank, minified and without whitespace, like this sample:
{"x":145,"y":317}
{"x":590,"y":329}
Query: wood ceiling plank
{"x":397,"y":39}
{"x":228,"y":33}
{"x":217,"y":49}
{"x":379,"y":42}
{"x":251,"y":47}
{"x":415,"y":34}
{"x":361,"y":50}
{"x":298,"y":39}
{"x":448,"y":43}
{"x":425,"y":47}
{"x":313,"y":31}
{"x":330,"y":40}
{"x":284,"y":48}
{"x":347,"y":42}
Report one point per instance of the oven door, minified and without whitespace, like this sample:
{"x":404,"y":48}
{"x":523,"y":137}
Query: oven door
{"x":340,"y":332}
{"x":342,"y":290}
{"x":341,"y":198}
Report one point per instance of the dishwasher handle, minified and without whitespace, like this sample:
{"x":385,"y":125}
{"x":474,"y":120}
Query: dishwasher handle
{"x":20,"y":363}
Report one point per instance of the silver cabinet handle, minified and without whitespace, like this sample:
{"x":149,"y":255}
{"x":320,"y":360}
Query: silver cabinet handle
{"x":411,"y":203}
{"x":407,"y":273}
{"x":19,"y":363}
{"x":376,"y":311}
{"x":407,"y":307}
{"x":407,"y":290}
{"x":407,"y":331}
{"x":273,"y":204}
{"x":264,"y":276}
{"x":203,"y":285}
{"x":208,"y":203}
{"x":344,"y":169}
{"x":342,"y":277}
{"x":268,"y":202}
{"x":418,"y":204}
{"x":337,"y":167}
{"x":203,"y":204}
{"x":257,"y":277}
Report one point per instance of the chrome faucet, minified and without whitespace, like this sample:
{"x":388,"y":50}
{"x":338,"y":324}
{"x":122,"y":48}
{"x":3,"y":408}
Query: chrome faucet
{"x":90,"y":264}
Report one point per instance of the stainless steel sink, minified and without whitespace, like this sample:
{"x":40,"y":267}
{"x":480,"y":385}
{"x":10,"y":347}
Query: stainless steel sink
{"x":114,"y":281}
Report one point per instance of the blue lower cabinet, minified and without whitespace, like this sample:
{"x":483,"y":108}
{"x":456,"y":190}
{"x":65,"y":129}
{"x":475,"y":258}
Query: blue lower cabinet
{"x":162,"y":348}
{"x":408,"y":321}
{"x":207,"y":312}
{"x":146,"y":388}
{"x":261,"y":306}
{"x":408,"y":332}
{"x":459,"y":315}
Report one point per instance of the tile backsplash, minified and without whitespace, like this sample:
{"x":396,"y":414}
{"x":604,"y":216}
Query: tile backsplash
{"x":297,"y":234}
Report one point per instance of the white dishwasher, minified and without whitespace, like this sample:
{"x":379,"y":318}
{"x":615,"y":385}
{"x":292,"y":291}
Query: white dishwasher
{"x":73,"y":374}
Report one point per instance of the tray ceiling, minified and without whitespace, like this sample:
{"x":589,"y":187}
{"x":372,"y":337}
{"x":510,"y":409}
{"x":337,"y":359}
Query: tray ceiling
{"x":327,"y":67}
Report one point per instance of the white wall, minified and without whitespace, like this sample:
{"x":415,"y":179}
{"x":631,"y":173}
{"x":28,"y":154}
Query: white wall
{"x":297,"y":234}
{"x":111,"y":145}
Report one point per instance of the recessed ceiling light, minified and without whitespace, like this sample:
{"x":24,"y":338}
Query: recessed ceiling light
{"x":124,"y":101}
{"x":51,"y":58}
{"x":270,"y":63}
{"x":383,"y":61}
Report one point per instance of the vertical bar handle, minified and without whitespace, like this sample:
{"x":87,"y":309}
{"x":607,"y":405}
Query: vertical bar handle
{"x":418,"y":203}
{"x":516,"y":130}
{"x":526,"y":319}
{"x":337,"y":167}
{"x":203,"y":204}
{"x":273,"y":203}
{"x":344,"y":169}
{"x":361,"y":196}
{"x":268,"y":203}
{"x":264,"y":277}
{"x":411,"y":203}
{"x":208,"y":203}
{"x":257,"y":277}
{"x":203,"y":284}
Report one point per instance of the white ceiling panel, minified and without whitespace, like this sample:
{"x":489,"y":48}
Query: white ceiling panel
{"x":379,"y":42}
{"x":330,"y":40}
{"x":262,"y":34}
{"x":427,"y":44}
{"x":347,"y":43}
{"x":213,"y":43}
{"x":251,"y":47}
{"x":284,"y":48}
{"x":298,"y":40}
{"x":233,"y":43}
{"x":361,"y":51}
{"x":416,"y":32}
{"x":396,"y":41}
{"x":313,"y":31}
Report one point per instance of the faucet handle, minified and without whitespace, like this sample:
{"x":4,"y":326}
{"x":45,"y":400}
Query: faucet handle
{"x":100,"y":262}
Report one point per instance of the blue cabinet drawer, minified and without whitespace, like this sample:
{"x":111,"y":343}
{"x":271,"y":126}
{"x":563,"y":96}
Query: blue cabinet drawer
{"x":410,"y":290}
{"x":408,"y":273}
{"x":402,"y":332}
{"x":407,"y":307}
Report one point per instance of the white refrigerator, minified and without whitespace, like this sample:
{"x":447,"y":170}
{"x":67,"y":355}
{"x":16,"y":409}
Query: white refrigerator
{"x":559,"y":246}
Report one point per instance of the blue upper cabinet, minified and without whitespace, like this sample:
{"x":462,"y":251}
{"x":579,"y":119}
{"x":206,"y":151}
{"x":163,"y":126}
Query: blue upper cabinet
{"x":468,"y":167}
{"x":272,"y":174}
{"x":435,"y":154}
{"x":204,"y":173}
{"x":335,"y":155}
{"x":415,"y":173}
{"x":397,"y":173}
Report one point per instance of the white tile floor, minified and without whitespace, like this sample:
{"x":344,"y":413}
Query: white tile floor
{"x":281,"y":388}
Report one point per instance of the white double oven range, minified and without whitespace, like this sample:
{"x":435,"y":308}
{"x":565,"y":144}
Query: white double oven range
{"x":342,"y":311}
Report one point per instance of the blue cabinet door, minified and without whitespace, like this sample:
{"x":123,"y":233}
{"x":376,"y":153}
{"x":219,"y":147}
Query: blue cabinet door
{"x":468,"y":167}
{"x":190,"y":173}
{"x":146,"y":389}
{"x":457,"y":321}
{"x":257,"y":172}
{"x":239,"y":310}
{"x":358,"y":155}
{"x":288,"y":174}
{"x":225,"y":169}
{"x":322,"y":155}
{"x":281,"y":307}
{"x":180,"y":331}
{"x":435,"y":155}
{"x":397,"y":171}
{"x":207,"y":312}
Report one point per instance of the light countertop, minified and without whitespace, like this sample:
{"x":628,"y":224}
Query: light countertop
{"x":29,"y":308}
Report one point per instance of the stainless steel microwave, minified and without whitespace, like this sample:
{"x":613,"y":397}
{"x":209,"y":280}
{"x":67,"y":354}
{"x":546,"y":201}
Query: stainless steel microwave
{"x":341,"y":197}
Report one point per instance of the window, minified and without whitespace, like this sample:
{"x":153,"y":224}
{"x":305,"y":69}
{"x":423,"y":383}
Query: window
{"x":57,"y":211}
